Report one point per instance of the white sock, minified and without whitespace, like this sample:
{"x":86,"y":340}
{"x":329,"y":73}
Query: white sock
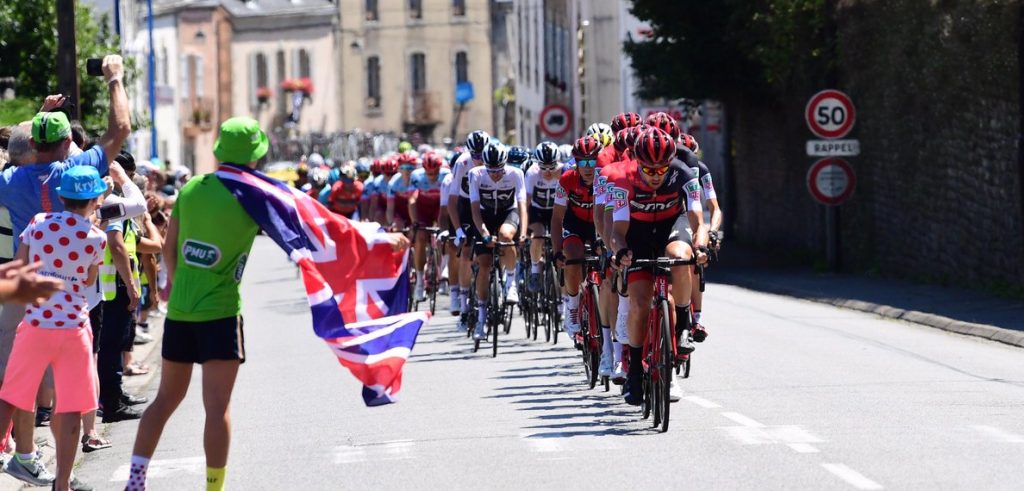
{"x":535,"y":268}
{"x":606,"y":333}
{"x":572,"y":302}
{"x":696,"y":316}
{"x":137,"y":475}
{"x":617,"y":351}
{"x":444,"y":266}
{"x":623,"y":304}
{"x":482,"y":312}
{"x":465,"y":299}
{"x":510,"y":280}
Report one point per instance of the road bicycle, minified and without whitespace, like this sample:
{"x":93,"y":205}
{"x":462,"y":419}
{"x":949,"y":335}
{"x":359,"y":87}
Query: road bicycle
{"x":497,"y":307}
{"x":431,"y":269}
{"x":590,"y":315}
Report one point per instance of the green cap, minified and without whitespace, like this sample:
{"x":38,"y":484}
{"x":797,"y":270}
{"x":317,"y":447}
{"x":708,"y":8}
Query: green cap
{"x":241,"y":141}
{"x":50,"y":127}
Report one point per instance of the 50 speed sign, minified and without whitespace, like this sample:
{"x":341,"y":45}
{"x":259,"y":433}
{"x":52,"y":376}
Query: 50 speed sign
{"x":830,"y":114}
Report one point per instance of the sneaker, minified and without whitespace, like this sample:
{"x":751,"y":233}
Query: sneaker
{"x":144,"y":327}
{"x":618,"y":375}
{"x":455,"y":307}
{"x":77,"y":485}
{"x":43,"y":415}
{"x":674,"y":391}
{"x":533,"y":282}
{"x":142,"y":338}
{"x":479,"y":332}
{"x":634,"y":393}
{"x":123,"y":414}
{"x":512,"y":296}
{"x":699,"y":333}
{"x":421,"y":295}
{"x":31,"y":471}
{"x":605,"y":368}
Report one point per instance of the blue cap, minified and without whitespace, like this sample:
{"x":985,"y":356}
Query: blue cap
{"x":81,"y":182}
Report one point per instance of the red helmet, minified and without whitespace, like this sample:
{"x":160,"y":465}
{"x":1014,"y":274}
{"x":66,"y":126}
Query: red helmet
{"x":390,"y":165}
{"x":375,"y":167}
{"x":665,"y":123}
{"x":586,"y":148}
{"x":432,"y":162}
{"x":623,"y":121}
{"x":688,"y":141}
{"x":407,"y":158}
{"x":654,"y":148}
{"x":624,"y":138}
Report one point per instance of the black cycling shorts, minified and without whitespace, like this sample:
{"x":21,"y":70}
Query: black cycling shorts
{"x":572,"y":226}
{"x":541,"y":216}
{"x":199,"y":342}
{"x":494,"y":221}
{"x":648,"y":240}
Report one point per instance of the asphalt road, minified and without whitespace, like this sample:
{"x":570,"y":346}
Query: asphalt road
{"x":784,"y":394}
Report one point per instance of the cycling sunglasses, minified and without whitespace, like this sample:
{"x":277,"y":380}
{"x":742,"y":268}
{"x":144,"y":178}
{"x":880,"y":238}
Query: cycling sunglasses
{"x":654,"y":171}
{"x":498,"y":170}
{"x":475,"y":156}
{"x":586,"y":163}
{"x":548,"y":168}
{"x":407,"y":167}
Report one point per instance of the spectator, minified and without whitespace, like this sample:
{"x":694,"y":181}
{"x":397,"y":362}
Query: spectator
{"x":19,"y":152}
{"x":56,"y":332}
{"x":20,"y":284}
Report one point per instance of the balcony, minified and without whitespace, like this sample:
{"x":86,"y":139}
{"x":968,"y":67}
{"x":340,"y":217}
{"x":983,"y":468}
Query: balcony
{"x":421,"y":108}
{"x":197,"y":115}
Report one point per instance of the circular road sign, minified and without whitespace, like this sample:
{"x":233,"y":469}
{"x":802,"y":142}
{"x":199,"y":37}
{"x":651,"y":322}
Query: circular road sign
{"x":831,"y":181}
{"x":830,"y":114}
{"x":555,"y":120}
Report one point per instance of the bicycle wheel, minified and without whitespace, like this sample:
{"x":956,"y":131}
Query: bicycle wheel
{"x":430,"y":276}
{"x":555,"y":306}
{"x":595,"y":337}
{"x":495,"y":313}
{"x":664,"y":367}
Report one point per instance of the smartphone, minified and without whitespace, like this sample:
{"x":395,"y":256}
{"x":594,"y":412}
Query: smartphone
{"x":94,"y":67}
{"x":67,"y":107}
{"x":112,"y":211}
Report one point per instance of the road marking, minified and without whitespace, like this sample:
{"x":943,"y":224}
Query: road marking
{"x":803,"y":448}
{"x":702,"y":402}
{"x":851,"y":476}
{"x":998,"y":434}
{"x":347,"y":454}
{"x":165,"y":467}
{"x":742,"y":420}
{"x":397,"y":450}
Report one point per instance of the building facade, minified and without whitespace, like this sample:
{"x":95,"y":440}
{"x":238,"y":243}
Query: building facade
{"x":400,"y":61}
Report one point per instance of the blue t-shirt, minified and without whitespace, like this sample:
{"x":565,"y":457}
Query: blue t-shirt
{"x":31,"y":189}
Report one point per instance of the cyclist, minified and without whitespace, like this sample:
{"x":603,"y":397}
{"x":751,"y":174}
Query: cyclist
{"x":602,"y":133}
{"x":654,"y":199}
{"x":541,"y":183}
{"x":572,"y":223}
{"x":346,"y":192}
{"x":400,"y":190}
{"x":497,"y":194}
{"x":451,"y":258}
{"x":686,"y":151}
{"x":622,"y":121}
{"x":461,"y":214}
{"x":369,"y":190}
{"x":362,"y":169}
{"x":379,"y":201}
{"x":518,"y":157}
{"x":425,"y":206}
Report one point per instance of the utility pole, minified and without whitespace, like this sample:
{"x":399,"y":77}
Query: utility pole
{"x":67,"y":55}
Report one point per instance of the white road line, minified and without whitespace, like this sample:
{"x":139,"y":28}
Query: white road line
{"x":397,"y":450}
{"x":347,"y":454}
{"x":803,"y":448}
{"x":165,"y":467}
{"x":999,"y":434}
{"x":851,"y":476}
{"x":702,"y":402}
{"x":743,"y":420}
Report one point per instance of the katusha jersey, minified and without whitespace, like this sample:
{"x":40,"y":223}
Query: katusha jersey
{"x":497,"y":196}
{"x":427,"y":189}
{"x":542,"y":191}
{"x":576,"y":195}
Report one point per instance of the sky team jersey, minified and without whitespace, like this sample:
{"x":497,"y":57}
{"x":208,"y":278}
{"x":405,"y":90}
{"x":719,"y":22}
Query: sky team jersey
{"x":632,"y":199}
{"x":706,"y":184}
{"x":541,"y":191}
{"x":460,"y":176}
{"x":496,"y":196}
{"x":576,"y":195}
{"x":446,"y":187}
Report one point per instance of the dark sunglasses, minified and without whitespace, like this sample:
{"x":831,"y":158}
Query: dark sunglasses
{"x":495,"y":171}
{"x":654,"y":171}
{"x":586,"y":163}
{"x":548,"y":168}
{"x":474,"y":156}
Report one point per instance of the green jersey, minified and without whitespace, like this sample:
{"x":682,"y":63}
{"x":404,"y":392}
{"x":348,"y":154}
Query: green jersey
{"x":215,"y":235}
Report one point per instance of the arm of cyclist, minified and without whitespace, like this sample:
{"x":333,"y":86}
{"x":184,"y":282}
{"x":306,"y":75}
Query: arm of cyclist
{"x":521,"y":204}
{"x":619,"y":230}
{"x":478,"y":220}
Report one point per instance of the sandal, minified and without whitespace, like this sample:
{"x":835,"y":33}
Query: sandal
{"x":136,"y":369}
{"x":93,"y":443}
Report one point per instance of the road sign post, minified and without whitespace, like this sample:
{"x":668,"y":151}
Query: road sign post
{"x":830,"y":115}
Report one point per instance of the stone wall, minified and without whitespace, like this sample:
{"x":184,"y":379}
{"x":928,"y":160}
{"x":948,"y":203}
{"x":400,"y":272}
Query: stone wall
{"x":937,"y":91}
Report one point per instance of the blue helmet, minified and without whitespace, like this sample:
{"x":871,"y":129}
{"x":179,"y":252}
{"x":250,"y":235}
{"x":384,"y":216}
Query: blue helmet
{"x":518,"y":156}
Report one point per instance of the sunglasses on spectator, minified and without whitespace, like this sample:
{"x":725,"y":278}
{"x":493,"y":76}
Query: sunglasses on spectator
{"x":586,"y":163}
{"x":654,"y":171}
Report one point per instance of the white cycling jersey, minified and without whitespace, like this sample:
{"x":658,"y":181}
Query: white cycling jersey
{"x":541,"y":191}
{"x":499,"y":195}
{"x":460,"y":176}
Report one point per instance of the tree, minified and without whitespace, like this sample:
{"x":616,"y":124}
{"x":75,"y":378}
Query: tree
{"x":28,"y":52}
{"x":718,"y":49}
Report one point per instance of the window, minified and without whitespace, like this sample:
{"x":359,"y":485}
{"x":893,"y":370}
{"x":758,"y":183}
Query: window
{"x":461,"y":67}
{"x":418,"y":77}
{"x":258,"y":76}
{"x":262,"y":78}
{"x":304,"y":71}
{"x":373,"y":82}
{"x":415,"y":9}
{"x":371,"y":11}
{"x":458,"y":8}
{"x":162,"y":67}
{"x":282,"y":69}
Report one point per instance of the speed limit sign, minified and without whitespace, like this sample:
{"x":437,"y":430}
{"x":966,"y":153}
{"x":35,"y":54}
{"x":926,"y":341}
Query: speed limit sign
{"x":830,"y":114}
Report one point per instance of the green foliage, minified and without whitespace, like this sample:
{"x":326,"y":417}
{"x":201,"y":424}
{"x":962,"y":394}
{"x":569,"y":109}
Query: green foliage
{"x":718,"y":49}
{"x":28,"y":52}
{"x":17,"y":110}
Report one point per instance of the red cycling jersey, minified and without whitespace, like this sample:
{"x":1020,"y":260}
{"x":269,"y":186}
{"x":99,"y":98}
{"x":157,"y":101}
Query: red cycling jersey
{"x":607,"y":156}
{"x":576,"y":195}
{"x":633,"y":200}
{"x":345,"y":201}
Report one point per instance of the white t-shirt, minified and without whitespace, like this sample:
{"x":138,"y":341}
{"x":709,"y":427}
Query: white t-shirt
{"x":501,"y":195}
{"x":67,"y":244}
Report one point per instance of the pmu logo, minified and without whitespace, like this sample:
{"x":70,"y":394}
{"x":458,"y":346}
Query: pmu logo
{"x":200,"y":254}
{"x":653,"y":207}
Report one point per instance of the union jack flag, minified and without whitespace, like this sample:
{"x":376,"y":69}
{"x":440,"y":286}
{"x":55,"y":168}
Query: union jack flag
{"x":356,"y":284}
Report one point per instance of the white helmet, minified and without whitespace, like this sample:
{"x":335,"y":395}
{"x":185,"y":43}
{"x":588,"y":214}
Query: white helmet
{"x":602,"y":133}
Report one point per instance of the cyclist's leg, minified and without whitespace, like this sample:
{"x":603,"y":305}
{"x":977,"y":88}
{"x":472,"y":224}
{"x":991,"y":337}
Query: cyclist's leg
{"x":681,"y":284}
{"x":640,"y":291}
{"x":508,"y":231}
{"x":483,"y":261}
{"x":420,"y":253}
{"x":608,"y":304}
